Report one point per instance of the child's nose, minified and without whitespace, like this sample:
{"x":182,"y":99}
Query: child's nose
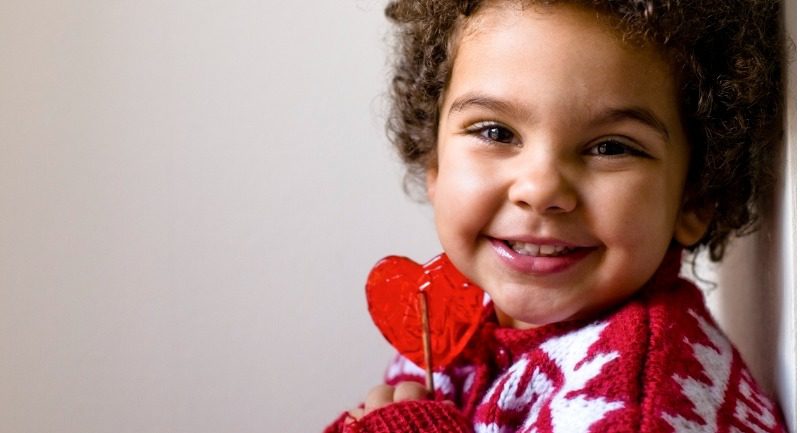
{"x":542,"y":186}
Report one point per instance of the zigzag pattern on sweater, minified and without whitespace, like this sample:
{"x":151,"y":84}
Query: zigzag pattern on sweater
{"x":586,"y":380}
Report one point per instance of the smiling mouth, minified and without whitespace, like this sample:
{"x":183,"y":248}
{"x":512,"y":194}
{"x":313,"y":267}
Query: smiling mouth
{"x":537,"y":250}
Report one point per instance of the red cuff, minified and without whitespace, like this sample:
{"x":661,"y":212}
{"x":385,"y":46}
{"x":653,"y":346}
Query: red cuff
{"x":415,"y":416}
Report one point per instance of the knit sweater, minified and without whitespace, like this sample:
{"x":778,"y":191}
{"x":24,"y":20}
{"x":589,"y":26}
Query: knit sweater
{"x":658,"y":363}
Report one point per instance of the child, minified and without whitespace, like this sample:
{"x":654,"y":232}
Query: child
{"x":571,"y":151}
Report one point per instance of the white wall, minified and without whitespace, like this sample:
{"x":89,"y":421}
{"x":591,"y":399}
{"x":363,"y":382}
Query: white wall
{"x":191,"y":195}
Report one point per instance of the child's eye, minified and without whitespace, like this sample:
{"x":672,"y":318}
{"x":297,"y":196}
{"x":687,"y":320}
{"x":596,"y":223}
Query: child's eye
{"x":493,"y":132}
{"x":614,"y":148}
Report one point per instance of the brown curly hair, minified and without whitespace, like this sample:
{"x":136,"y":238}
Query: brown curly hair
{"x":727,"y":55}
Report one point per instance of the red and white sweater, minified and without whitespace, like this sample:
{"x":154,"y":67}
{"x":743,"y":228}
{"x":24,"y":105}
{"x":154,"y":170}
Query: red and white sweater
{"x":658,"y":363}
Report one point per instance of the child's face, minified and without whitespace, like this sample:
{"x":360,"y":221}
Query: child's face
{"x":555,"y":134}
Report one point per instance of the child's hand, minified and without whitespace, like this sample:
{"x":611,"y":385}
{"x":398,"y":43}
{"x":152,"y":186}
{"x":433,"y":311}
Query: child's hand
{"x":383,"y":395}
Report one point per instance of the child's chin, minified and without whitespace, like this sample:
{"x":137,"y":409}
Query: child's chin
{"x":530,"y":319}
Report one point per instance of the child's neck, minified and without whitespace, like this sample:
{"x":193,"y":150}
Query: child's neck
{"x":506,"y":321}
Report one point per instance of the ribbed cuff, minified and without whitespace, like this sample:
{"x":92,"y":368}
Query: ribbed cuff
{"x":415,"y":416}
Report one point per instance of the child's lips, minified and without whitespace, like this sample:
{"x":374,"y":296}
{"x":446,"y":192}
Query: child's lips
{"x":539,"y":256}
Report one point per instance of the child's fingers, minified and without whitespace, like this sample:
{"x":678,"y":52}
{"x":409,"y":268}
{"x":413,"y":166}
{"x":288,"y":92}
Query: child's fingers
{"x":354,"y":415}
{"x":378,"y":397}
{"x":383,"y":395}
{"x":410,"y":391}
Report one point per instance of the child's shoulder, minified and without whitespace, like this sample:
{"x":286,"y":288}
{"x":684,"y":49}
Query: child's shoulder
{"x":708,"y":383}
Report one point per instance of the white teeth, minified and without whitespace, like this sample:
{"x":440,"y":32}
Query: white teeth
{"x":538,"y":250}
{"x":527,"y":249}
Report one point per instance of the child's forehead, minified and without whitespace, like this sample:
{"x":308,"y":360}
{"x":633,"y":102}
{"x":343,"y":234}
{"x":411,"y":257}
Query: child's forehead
{"x":496,"y":14}
{"x":561,"y":29}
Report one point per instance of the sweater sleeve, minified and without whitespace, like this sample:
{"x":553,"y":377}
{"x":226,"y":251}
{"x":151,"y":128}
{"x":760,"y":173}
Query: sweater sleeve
{"x":417,"y":416}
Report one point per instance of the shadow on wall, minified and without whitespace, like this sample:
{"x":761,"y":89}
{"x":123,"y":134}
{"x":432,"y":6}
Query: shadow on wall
{"x":755,"y":301}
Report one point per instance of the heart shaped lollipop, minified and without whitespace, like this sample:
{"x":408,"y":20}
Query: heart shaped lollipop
{"x":454,"y":307}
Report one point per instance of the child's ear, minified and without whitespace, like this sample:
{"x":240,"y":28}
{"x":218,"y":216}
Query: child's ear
{"x":692,"y":224}
{"x":430,"y":181}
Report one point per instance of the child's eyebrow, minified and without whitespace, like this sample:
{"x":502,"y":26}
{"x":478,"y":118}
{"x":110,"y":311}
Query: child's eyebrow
{"x":638,"y":114}
{"x":488,"y":102}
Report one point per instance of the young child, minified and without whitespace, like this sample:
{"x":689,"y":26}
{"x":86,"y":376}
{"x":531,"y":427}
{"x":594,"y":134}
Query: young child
{"x":571,"y":152}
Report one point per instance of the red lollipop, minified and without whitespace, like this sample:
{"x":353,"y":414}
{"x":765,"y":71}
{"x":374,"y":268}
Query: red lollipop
{"x":424,"y":310}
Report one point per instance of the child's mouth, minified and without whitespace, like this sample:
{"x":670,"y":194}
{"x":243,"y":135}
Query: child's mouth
{"x":536,"y":250}
{"x":546,"y":258}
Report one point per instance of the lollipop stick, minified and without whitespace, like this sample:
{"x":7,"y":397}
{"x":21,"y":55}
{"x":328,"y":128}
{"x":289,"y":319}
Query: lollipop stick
{"x":426,"y":341}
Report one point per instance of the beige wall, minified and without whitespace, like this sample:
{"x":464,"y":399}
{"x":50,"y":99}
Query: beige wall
{"x":191,"y":194}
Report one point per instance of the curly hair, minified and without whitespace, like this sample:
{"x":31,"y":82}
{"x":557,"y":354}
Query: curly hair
{"x":727,"y":55}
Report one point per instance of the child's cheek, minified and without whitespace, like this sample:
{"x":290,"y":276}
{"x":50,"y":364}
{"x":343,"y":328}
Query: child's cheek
{"x":634,"y":210}
{"x":467,"y":193}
